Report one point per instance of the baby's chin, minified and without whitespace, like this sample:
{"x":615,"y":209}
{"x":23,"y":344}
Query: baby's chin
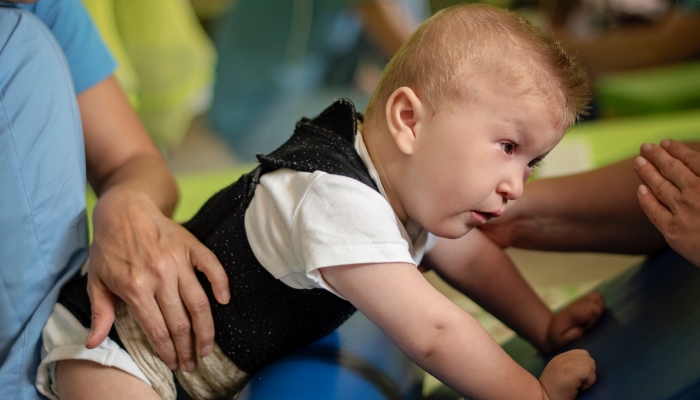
{"x":451,"y":231}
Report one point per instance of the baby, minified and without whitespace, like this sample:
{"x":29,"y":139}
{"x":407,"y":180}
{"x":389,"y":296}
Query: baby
{"x":338,"y":218}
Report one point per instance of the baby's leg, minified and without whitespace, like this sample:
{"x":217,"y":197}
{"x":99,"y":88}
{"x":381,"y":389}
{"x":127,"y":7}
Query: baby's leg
{"x":80,"y":379}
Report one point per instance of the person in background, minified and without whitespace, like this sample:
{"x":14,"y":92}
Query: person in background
{"x":636,"y":206}
{"x":674,"y":36}
{"x":63,"y":118}
{"x":278,"y":61}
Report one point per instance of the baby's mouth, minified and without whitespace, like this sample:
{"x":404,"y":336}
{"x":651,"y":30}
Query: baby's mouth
{"x":484,"y":216}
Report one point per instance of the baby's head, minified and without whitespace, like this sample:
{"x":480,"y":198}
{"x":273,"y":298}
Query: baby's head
{"x":449,"y":54}
{"x":464,"y":111}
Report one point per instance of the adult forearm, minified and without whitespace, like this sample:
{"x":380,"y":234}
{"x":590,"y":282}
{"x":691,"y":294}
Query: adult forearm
{"x":145,"y":176}
{"x":119,"y":154}
{"x":593,"y":211}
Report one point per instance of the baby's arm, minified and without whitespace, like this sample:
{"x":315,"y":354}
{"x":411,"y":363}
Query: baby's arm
{"x":481,"y":270}
{"x":446,"y":341}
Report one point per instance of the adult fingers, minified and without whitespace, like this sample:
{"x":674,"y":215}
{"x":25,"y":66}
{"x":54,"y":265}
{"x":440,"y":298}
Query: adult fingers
{"x":205,"y":261}
{"x":671,"y":168}
{"x":685,"y":154}
{"x":664,"y":190}
{"x":657,"y":213}
{"x":178,"y":323}
{"x":102,"y":303}
{"x":198,"y":306}
{"x":150,"y":317}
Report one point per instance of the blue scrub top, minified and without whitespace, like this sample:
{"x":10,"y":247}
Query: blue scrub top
{"x":43,"y":225}
{"x":89,"y":60}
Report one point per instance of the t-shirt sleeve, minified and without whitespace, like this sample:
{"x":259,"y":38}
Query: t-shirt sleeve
{"x":89,"y":59}
{"x":300,"y":222}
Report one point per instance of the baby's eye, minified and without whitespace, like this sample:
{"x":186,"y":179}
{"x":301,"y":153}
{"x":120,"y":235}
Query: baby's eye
{"x":508,"y":147}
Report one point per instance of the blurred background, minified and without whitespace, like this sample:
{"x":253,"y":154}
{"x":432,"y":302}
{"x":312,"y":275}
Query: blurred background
{"x":217,"y":81}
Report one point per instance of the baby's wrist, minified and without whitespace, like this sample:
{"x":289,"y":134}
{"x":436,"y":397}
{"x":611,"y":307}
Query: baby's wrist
{"x":545,"y":396}
{"x":544,"y":342}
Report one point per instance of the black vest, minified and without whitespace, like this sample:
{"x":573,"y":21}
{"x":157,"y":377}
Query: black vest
{"x":265,"y":318}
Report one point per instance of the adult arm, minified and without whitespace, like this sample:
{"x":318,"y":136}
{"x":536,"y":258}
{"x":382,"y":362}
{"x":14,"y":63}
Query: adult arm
{"x":592,"y":211}
{"x":138,"y":253}
{"x":443,"y":339}
{"x":481,"y":270}
{"x":670,"y":195}
{"x":664,"y":41}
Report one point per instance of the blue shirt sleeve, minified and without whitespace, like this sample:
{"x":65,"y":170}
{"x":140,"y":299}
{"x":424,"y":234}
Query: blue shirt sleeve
{"x":89,"y":59}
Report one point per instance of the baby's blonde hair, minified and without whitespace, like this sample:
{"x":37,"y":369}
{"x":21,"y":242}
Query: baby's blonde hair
{"x":461,"y":42}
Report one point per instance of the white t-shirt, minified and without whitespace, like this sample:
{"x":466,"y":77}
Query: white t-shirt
{"x":298,"y":222}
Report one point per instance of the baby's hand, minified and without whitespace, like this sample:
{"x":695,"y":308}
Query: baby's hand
{"x":567,"y":375}
{"x":572,"y":321}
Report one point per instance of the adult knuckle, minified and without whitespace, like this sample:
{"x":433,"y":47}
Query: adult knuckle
{"x":206,"y":337}
{"x":181,"y":328}
{"x":158,"y":266}
{"x":692,"y":158}
{"x":693,"y":184}
{"x":199,"y":306}
{"x":656,"y":216}
{"x":159,"y":336}
{"x":671,"y":164}
{"x":137,"y":284}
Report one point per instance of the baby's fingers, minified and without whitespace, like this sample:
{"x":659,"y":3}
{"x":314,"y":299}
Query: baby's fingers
{"x":568,"y":374}
{"x":582,"y":366}
{"x":585,"y":311}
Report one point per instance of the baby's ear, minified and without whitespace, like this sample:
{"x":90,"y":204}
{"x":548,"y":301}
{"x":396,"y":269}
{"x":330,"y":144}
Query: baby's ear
{"x":404,"y":112}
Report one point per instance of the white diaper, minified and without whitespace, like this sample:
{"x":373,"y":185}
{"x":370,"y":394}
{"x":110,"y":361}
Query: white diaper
{"x":64,"y":339}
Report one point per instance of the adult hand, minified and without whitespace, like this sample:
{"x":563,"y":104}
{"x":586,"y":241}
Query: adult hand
{"x":138,"y":253}
{"x":670,"y":195}
{"x":147,"y":260}
{"x":573,"y":320}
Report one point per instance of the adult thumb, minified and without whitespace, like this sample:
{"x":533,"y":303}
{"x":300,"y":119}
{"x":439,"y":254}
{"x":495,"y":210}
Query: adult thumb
{"x":102,"y":302}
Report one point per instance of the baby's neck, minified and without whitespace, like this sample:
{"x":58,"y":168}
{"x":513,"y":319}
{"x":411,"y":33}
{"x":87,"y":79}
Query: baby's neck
{"x":387,"y":160}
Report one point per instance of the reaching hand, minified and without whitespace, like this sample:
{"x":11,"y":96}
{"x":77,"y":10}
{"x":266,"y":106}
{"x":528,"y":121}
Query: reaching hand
{"x":573,"y":320}
{"x":670,"y":196}
{"x":148,"y":260}
{"x":567,"y":375}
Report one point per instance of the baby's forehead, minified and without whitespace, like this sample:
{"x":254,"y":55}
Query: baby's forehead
{"x":517,"y":86}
